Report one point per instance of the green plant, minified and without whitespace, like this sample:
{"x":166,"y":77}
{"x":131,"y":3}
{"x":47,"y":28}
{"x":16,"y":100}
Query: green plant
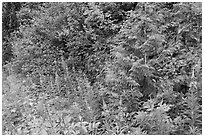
{"x":102,"y":68}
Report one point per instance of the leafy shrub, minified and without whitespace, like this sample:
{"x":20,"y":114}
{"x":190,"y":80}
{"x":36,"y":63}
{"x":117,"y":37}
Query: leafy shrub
{"x":102,"y":69}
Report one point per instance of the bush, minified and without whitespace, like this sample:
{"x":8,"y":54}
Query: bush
{"x":103,"y":69}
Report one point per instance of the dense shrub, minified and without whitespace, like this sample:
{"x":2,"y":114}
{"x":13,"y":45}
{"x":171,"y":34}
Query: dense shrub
{"x":102,"y":68}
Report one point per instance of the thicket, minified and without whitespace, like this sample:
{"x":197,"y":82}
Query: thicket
{"x":102,"y":68}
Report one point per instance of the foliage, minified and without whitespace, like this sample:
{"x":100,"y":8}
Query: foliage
{"x":102,"y":68}
{"x":9,"y":25}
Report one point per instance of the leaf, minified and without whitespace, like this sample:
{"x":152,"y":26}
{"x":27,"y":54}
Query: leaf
{"x":149,"y":105}
{"x":178,"y":120}
{"x":164,"y":107}
{"x":137,"y":93}
{"x":141,"y":116}
{"x":95,"y":125}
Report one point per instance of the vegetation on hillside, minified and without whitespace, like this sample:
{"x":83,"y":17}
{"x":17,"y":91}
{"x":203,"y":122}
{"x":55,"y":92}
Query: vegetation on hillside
{"x":102,"y":68}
